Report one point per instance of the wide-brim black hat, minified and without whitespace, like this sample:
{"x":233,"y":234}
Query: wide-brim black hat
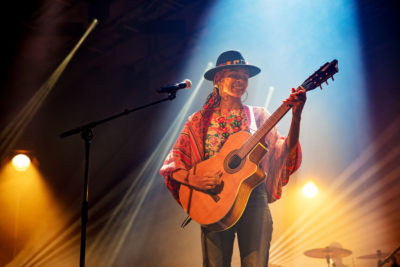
{"x":231,"y":60}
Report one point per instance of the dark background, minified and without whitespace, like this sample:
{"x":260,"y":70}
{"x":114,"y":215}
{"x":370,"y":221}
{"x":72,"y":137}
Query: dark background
{"x":137,"y":47}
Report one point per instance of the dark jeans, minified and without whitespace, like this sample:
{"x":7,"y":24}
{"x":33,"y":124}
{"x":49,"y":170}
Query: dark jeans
{"x":254,"y":231}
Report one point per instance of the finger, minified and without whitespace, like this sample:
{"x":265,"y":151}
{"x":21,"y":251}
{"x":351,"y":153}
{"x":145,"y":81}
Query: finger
{"x":212,"y":181}
{"x":290,"y":98}
{"x":209,"y":174}
{"x":211,"y":187}
{"x":298,"y":93}
{"x":302,"y":93}
{"x":302,"y":96}
{"x":294,"y":99}
{"x":302,"y":99}
{"x":209,"y":181}
{"x":208,"y":186}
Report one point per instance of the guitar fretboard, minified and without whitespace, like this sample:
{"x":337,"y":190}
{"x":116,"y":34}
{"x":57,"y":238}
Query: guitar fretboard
{"x":263,"y":130}
{"x":316,"y":79}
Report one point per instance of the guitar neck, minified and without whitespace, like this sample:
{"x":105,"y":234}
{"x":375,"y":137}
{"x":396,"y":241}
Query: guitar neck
{"x":264,"y":129}
{"x":325,"y":72}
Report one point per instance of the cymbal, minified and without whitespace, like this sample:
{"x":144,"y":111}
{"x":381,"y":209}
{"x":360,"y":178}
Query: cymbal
{"x":375,"y":256}
{"x":331,"y":252}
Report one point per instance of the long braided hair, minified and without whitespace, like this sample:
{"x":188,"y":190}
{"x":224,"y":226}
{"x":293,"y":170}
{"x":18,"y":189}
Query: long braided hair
{"x":214,"y":98}
{"x":212,"y":102}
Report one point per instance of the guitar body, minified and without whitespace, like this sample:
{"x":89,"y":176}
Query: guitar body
{"x":220,"y":211}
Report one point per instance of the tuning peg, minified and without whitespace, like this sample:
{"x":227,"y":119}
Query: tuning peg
{"x":326,"y":82}
{"x":332,"y":78}
{"x":320,"y":87}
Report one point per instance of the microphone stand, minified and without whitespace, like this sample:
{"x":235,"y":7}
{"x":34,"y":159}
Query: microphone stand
{"x":87,"y":134}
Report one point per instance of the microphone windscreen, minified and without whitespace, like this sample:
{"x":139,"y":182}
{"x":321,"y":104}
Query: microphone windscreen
{"x":188,"y":83}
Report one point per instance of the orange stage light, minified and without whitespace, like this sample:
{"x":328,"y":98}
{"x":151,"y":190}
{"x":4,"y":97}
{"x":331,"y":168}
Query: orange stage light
{"x":310,"y":190}
{"x":21,"y":162}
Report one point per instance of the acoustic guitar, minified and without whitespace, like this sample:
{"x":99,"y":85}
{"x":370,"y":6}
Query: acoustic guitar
{"x":238,"y":160}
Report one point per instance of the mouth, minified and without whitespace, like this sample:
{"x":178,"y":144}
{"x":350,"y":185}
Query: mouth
{"x":238,"y":89}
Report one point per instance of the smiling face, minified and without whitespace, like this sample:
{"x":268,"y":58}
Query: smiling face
{"x":233,"y":83}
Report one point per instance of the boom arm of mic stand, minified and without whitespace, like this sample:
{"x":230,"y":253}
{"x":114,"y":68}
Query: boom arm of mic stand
{"x":93,"y":124}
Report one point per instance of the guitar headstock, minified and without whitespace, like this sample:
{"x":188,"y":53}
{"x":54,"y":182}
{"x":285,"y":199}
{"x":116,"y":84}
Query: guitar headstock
{"x":321,"y":75}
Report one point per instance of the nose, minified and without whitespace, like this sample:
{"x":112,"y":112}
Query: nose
{"x":239,"y":81}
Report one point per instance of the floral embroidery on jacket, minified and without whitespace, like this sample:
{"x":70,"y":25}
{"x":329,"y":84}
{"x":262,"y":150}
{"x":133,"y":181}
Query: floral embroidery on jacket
{"x":221,"y":127}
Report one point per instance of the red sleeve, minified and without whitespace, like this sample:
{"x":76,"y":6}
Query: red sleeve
{"x":178,"y":158}
{"x":278,"y":164}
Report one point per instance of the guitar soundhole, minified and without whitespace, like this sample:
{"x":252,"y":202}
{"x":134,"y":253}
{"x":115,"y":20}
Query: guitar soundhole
{"x":234,"y":162}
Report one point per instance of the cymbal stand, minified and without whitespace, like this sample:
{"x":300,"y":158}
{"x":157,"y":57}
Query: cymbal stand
{"x":330,"y":261}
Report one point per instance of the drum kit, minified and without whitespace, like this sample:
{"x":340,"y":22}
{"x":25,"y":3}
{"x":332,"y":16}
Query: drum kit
{"x":333,"y":256}
{"x":334,"y":253}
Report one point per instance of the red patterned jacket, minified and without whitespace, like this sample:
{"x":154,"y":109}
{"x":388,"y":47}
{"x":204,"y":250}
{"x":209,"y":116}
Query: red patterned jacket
{"x":189,"y":149}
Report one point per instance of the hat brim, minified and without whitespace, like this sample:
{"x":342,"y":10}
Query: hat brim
{"x":252,"y":70}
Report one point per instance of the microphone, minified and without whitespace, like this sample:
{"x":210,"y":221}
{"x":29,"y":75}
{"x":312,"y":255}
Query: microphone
{"x":186,"y":84}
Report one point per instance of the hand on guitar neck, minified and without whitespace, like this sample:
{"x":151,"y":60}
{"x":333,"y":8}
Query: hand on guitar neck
{"x":297,"y":99}
{"x":205,"y":182}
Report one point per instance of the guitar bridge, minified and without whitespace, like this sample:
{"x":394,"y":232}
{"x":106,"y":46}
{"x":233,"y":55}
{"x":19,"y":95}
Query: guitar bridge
{"x":214,"y":192}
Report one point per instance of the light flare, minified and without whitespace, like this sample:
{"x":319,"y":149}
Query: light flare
{"x":310,"y":190}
